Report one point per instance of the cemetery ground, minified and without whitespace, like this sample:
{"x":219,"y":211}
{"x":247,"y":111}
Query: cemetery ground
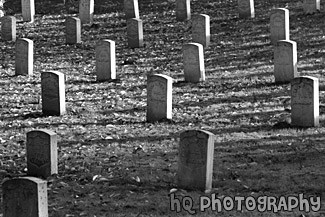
{"x":112,"y":162}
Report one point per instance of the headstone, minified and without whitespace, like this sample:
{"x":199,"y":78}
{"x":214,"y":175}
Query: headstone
{"x":135,"y":33}
{"x":246,"y":8}
{"x":24,"y":49}
{"x":311,"y":6}
{"x":105,"y":60}
{"x":86,"y":11}
{"x":2,"y":13}
{"x":305,"y":102}
{"x":195,"y":160}
{"x":201,"y":29}
{"x":285,"y":61}
{"x":28,"y":10}
{"x":193,"y":61}
{"x":279,"y":25}
{"x":73,"y":30}
{"x":183,"y":10}
{"x":25,"y":197}
{"x":42,"y":153}
{"x":8,"y":28}
{"x":159,"y":97}
{"x":53,"y":93}
{"x":131,"y":9}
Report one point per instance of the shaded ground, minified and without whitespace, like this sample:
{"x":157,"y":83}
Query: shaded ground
{"x":113,"y":163}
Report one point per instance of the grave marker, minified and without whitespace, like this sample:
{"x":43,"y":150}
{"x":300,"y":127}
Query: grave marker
{"x":201,"y":29}
{"x":131,"y":9}
{"x":195,"y":160}
{"x":159,"y":97}
{"x":1,"y":7}
{"x":86,"y":11}
{"x":105,"y":60}
{"x":305,"y":102}
{"x":183,"y":10}
{"x":135,"y":33}
{"x":24,"y":56}
{"x":285,"y":61}
{"x":28,"y":10}
{"x":25,"y":197}
{"x":311,"y":6}
{"x":53,"y":93}
{"x":42,"y":153}
{"x":279,"y":25}
{"x":8,"y":28}
{"x":73,"y":30}
{"x":246,"y":8}
{"x":193,"y":61}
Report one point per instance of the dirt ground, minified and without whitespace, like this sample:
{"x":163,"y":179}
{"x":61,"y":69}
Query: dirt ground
{"x":112,"y":162}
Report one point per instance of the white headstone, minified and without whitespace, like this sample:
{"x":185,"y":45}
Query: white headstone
{"x":201,"y":29}
{"x":135,"y":33}
{"x":279,"y":25}
{"x":193,"y":61}
{"x":195,"y":160}
{"x":28,"y":10}
{"x":24,"y":49}
{"x":285,"y":61}
{"x":305,"y":102}
{"x":25,"y":197}
{"x":159,"y":98}
{"x":73,"y":30}
{"x":86,"y":11}
{"x":183,"y":10}
{"x":42,"y":153}
{"x":2,"y":13}
{"x":311,"y":6}
{"x":53,"y":93}
{"x":246,"y":8}
{"x":131,"y":9}
{"x":105,"y":60}
{"x":8,"y":28}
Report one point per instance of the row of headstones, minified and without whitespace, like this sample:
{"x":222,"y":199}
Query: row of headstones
{"x":105,"y":59}
{"x":86,"y":10}
{"x":28,"y":195}
{"x":304,"y":89}
{"x":285,"y":56}
{"x":192,"y":52}
{"x":159,"y":95}
{"x":183,"y":8}
{"x":134,"y":24}
{"x":285,"y":53}
{"x":134,"y":31}
{"x":304,"y":100}
{"x":305,"y":97}
{"x":285,"y":50}
{"x":73,"y":30}
{"x":159,"y":87}
{"x":246,"y":7}
{"x":196,"y":147}
{"x":200,"y":25}
{"x":201,"y":34}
